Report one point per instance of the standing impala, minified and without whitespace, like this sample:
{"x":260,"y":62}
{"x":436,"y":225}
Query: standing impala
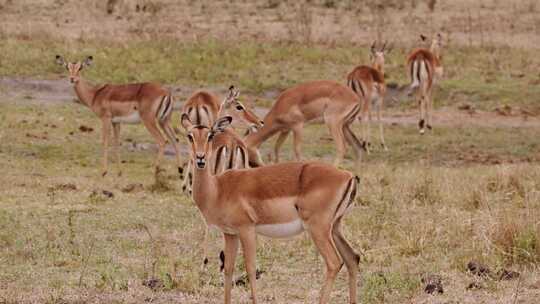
{"x":277,"y":201}
{"x":128,"y":103}
{"x":368,"y":83}
{"x":229,"y":150}
{"x":337,"y":104}
{"x":425,"y":69}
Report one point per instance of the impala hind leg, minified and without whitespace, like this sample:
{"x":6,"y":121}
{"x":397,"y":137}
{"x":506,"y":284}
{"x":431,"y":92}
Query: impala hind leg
{"x":297,"y":141}
{"x":429,"y":108}
{"x":231,"y":249}
{"x":355,"y":144}
{"x":105,"y":134}
{"x":116,"y":143}
{"x":151,"y":124}
{"x":322,"y":237}
{"x":380,"y":101}
{"x":336,"y":130}
{"x":422,"y":103}
{"x":279,"y":142}
{"x":166,"y":127}
{"x":349,"y":256}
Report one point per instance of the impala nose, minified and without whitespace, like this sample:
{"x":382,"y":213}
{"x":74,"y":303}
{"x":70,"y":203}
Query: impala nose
{"x":200,"y":161}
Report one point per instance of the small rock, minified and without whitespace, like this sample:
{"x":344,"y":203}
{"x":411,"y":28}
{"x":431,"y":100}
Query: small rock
{"x":137,"y":187}
{"x":477,"y":268}
{"x":474,"y":286}
{"x":153,"y":283}
{"x":433,"y":283}
{"x":508,"y":274}
{"x":85,"y":129}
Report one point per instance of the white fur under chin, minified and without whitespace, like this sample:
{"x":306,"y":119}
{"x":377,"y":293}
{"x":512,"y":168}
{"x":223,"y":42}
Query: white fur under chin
{"x":282,"y":230}
{"x":133,"y":118}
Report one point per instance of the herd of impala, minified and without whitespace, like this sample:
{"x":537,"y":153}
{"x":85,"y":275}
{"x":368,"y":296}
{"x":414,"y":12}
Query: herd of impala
{"x":225,"y":175}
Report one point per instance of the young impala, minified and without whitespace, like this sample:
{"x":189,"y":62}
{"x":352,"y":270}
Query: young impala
{"x":127,"y":103}
{"x":337,"y":104}
{"x":204,"y":108}
{"x":277,"y":201}
{"x":368,"y":83}
{"x":425,"y":69}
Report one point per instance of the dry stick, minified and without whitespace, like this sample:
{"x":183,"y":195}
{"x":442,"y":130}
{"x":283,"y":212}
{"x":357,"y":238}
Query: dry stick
{"x":85,"y":263}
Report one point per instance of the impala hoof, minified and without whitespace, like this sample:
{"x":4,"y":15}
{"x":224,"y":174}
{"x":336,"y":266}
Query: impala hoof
{"x":181,"y":171}
{"x":205,"y":261}
{"x":429,"y":127}
{"x":104,"y":173}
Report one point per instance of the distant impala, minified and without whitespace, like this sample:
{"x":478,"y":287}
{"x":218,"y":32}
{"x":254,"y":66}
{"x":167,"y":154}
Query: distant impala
{"x":425,"y":69}
{"x":368,"y":83}
{"x":335,"y":103}
{"x":127,"y":103}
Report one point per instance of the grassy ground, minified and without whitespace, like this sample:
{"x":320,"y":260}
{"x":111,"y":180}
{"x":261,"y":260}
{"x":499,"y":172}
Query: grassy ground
{"x":420,"y":211}
{"x":483,"y":77}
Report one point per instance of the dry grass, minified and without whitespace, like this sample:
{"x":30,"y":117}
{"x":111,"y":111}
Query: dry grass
{"x":63,"y":240}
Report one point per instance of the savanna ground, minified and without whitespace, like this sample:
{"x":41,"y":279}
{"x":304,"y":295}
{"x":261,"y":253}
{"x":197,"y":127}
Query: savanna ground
{"x":468,"y":191}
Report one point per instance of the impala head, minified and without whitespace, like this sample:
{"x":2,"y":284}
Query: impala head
{"x":200,"y":138}
{"x":436,"y":43}
{"x":233,"y":107}
{"x":377,"y":55}
{"x":74,"y":68}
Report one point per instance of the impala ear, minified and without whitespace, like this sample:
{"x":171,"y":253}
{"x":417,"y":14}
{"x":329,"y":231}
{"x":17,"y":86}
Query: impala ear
{"x":221,"y":124}
{"x":60,"y":61}
{"x":373,"y":47}
{"x":186,"y":122}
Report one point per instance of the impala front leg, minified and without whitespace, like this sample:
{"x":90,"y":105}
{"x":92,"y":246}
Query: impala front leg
{"x":105,"y":133}
{"x":248,"y":240}
{"x":231,"y":249}
{"x":116,"y":143}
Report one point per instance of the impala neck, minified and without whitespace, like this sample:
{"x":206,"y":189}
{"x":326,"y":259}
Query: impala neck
{"x":379,"y":66}
{"x":204,"y":187}
{"x":85,"y":91}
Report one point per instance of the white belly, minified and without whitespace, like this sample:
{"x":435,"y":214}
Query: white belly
{"x":283,"y":230}
{"x":133,"y":118}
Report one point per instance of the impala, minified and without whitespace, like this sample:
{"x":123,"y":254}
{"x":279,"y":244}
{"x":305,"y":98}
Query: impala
{"x":368,"y":83}
{"x":337,"y":104}
{"x":127,"y":103}
{"x":425,"y":69}
{"x":229,"y":150}
{"x":277,"y":201}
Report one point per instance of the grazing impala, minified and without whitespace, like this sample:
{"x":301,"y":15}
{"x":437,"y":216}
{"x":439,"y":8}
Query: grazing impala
{"x":425,"y":69}
{"x":128,"y":103}
{"x":368,"y":83}
{"x":277,"y":201}
{"x":337,"y":104}
{"x":204,"y":108}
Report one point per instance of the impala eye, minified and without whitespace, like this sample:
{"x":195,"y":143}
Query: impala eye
{"x":239,"y":107}
{"x":190,"y":137}
{"x":210,"y":136}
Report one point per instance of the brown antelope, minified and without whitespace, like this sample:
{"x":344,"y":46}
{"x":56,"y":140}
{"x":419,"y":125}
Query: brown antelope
{"x":368,"y":83}
{"x":337,"y":104}
{"x":204,"y":108}
{"x":229,"y":150}
{"x":425,"y":69}
{"x":128,"y":103}
{"x":278,"y":201}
